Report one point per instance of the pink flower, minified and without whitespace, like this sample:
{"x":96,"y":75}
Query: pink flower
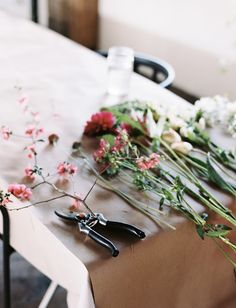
{"x":39,"y":131}
{"x":20,"y":191}
{"x":64,"y":169}
{"x":99,"y":154}
{"x":6,"y":133}
{"x":146,"y":163}
{"x":29,"y":173}
{"x":75,"y":204}
{"x":23,"y":101}
{"x":121,"y":140}
{"x":30,"y":130}
{"x":100,"y":122}
{"x":5,"y":200}
{"x":32,"y":151}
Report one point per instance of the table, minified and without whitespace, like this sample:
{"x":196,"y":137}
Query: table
{"x":167,"y":269}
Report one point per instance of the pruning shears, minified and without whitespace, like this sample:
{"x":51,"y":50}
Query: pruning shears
{"x":86,"y":222}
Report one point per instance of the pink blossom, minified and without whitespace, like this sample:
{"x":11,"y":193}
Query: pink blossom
{"x":23,"y":101}
{"x":29,"y":173}
{"x":20,"y":191}
{"x":39,"y":131}
{"x":98,"y":155}
{"x":64,"y":169}
{"x":76,"y":204}
{"x":32,"y":151}
{"x":5,"y":201}
{"x":100,"y":122}
{"x":6,"y":133}
{"x":30,"y":130}
{"x":146,"y":163}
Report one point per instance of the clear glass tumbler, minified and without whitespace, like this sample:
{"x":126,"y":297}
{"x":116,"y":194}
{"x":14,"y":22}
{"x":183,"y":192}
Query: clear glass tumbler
{"x":120,"y":66}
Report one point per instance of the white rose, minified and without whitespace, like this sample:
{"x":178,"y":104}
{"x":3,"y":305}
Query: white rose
{"x":182,"y":147}
{"x":171,"y":136}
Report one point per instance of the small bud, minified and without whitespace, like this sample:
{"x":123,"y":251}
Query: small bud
{"x":182,"y":147}
{"x":171,"y":136}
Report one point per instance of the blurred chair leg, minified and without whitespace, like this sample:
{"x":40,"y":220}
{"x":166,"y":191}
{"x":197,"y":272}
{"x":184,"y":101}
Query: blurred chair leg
{"x":48,"y":295}
{"x":7,"y":250}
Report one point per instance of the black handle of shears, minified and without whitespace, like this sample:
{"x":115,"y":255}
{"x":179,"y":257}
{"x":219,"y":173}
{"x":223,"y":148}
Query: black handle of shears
{"x":99,"y":239}
{"x":125,"y":227}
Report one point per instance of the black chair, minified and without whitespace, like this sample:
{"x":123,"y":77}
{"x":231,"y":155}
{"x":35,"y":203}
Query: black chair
{"x":152,"y":68}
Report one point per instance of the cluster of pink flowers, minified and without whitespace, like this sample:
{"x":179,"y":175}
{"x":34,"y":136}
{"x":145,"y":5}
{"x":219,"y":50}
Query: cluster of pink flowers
{"x":20,"y":191}
{"x":6,"y":133}
{"x":100,"y":122}
{"x":33,"y":131}
{"x":65,"y":169}
{"x":99,"y":154}
{"x":121,"y":140}
{"x":146,"y":163}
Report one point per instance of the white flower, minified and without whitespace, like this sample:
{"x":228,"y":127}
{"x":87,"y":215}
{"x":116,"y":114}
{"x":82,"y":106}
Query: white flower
{"x":201,"y":124}
{"x":176,"y":122}
{"x":137,"y":115}
{"x":186,"y":131}
{"x":171,"y":136}
{"x":182,"y":147}
{"x":212,"y":108}
{"x":151,"y":125}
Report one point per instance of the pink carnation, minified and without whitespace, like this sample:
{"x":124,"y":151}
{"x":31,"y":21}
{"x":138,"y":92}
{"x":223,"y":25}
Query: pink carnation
{"x":64,"y":169}
{"x":100,"y":122}
{"x":20,"y":191}
{"x":146,"y":163}
{"x":6,"y":133}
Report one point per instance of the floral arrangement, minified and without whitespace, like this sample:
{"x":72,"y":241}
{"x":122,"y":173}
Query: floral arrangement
{"x":167,"y":157}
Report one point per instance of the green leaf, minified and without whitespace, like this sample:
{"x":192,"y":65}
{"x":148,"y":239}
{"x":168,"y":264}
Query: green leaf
{"x":217,"y":233}
{"x":218,"y":230}
{"x":109,"y":138}
{"x":161,"y":203}
{"x":200,"y":231}
{"x":216,"y":178}
{"x":125,"y":118}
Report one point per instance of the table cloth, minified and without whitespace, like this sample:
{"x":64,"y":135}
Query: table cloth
{"x":168,"y":268}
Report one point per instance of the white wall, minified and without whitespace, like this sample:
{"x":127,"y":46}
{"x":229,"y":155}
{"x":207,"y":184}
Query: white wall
{"x":22,"y":8}
{"x":198,"y":37}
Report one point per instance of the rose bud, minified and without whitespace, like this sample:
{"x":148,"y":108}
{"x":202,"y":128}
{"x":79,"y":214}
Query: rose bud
{"x":182,"y":147}
{"x":171,"y":136}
